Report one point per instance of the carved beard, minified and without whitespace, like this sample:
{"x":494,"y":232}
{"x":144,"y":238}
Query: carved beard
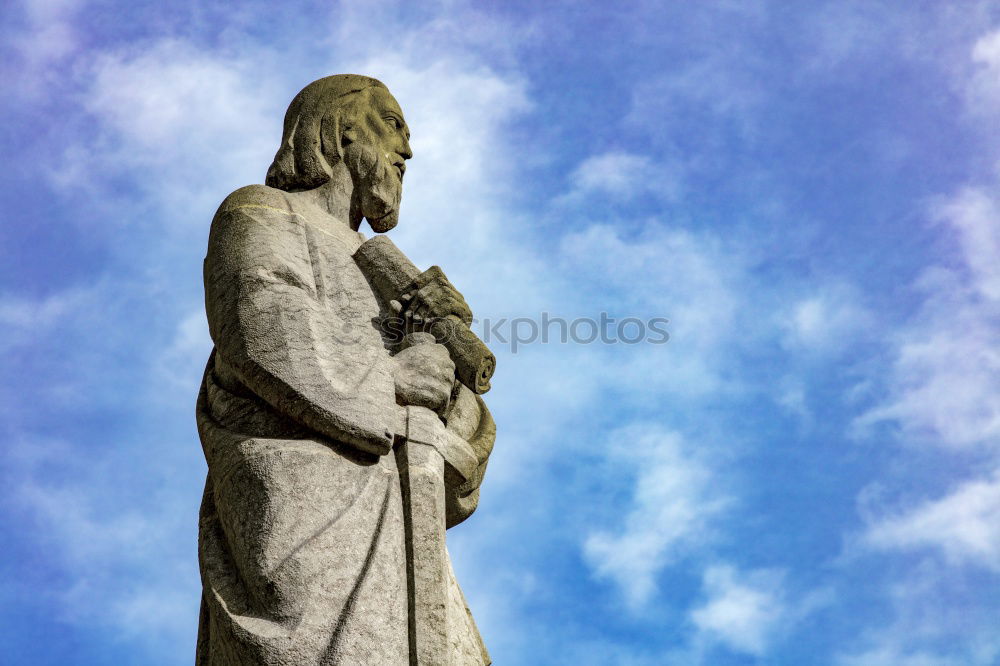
{"x":377,"y":187}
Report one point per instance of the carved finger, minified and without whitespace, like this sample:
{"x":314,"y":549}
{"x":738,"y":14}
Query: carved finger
{"x":422,"y":311}
{"x":448,"y":302}
{"x":426,"y":294}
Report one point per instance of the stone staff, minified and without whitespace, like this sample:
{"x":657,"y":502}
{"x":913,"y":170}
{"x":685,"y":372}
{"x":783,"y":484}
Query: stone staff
{"x":423,"y":458}
{"x":394,"y":276}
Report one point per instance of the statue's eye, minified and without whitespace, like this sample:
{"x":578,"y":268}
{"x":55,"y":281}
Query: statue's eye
{"x":394,"y":121}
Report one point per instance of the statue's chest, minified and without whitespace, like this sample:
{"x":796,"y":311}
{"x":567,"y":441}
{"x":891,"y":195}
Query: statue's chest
{"x":340,"y":284}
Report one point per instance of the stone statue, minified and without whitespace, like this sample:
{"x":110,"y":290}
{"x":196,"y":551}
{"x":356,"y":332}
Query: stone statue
{"x":337,"y":452}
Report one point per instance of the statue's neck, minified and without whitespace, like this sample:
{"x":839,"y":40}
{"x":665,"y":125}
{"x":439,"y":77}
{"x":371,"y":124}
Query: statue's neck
{"x":334,"y":196}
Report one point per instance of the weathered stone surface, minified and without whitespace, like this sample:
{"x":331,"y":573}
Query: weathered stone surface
{"x":318,"y":544}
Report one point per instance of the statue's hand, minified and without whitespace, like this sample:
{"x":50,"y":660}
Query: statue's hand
{"x":434,"y":296}
{"x":424,"y":375}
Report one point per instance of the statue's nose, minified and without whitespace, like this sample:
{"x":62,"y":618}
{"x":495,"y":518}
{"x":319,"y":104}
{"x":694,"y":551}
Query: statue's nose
{"x":405,"y":151}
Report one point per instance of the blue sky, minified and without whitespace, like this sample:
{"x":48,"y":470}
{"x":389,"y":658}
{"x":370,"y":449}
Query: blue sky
{"x":808,"y":472}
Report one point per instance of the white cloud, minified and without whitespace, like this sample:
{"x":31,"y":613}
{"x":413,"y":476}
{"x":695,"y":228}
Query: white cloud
{"x":791,"y":396}
{"x":619,"y":176}
{"x":710,"y":94}
{"x":944,"y":392}
{"x":743,"y":611}
{"x":895,"y":655}
{"x":986,"y":50}
{"x":47,"y":39}
{"x":24,"y":318}
{"x":964,"y":525}
{"x":825,"y":322}
{"x":930,"y":622}
{"x":169,"y":97}
{"x":984,"y":85}
{"x":128,"y":570}
{"x":183,"y":360}
{"x":944,"y":386}
{"x":975,"y":216}
{"x":674,"y":502}
{"x":690,"y":278}
{"x":182,"y":125}
{"x":45,"y":333}
{"x":613,"y":173}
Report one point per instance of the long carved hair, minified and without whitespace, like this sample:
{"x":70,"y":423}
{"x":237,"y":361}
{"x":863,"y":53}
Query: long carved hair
{"x":300,"y":163}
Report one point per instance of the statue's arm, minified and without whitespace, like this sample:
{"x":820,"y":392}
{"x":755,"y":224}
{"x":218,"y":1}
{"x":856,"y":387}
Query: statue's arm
{"x":470,"y":419}
{"x":268,"y":325}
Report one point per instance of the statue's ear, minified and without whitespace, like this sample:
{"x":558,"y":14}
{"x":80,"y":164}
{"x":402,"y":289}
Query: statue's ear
{"x":321,"y":170}
{"x":335,"y":135}
{"x":348,"y":135}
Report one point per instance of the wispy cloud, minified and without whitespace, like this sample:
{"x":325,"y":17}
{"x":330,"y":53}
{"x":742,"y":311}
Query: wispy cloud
{"x":619,"y":176}
{"x":964,"y":525}
{"x":742,"y":610}
{"x":895,"y":655}
{"x":24,"y":319}
{"x":109,"y":546}
{"x":983,"y":89}
{"x":930,"y":622}
{"x":46,"y":38}
{"x":828,"y":322}
{"x":675,"y":500}
{"x":943,"y":398}
{"x":176,"y":122}
{"x":944,"y":385}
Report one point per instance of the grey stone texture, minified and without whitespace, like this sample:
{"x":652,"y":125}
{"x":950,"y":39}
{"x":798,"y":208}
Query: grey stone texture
{"x":337,"y":454}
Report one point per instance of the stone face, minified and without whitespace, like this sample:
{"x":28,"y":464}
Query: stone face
{"x":334,"y":466}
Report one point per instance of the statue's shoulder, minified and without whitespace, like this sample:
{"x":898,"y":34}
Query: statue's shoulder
{"x":255,"y":196}
{"x":255,"y":215}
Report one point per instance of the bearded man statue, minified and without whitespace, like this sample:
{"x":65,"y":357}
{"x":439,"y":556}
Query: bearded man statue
{"x":302,"y":539}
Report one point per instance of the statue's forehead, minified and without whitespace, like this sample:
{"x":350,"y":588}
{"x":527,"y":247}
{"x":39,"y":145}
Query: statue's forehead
{"x":383,"y":100}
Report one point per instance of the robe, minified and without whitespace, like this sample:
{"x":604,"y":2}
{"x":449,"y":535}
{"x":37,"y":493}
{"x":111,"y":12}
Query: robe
{"x":301,"y":536}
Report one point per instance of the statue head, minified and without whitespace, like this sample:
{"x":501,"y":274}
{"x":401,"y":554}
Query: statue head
{"x":354,"y":121}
